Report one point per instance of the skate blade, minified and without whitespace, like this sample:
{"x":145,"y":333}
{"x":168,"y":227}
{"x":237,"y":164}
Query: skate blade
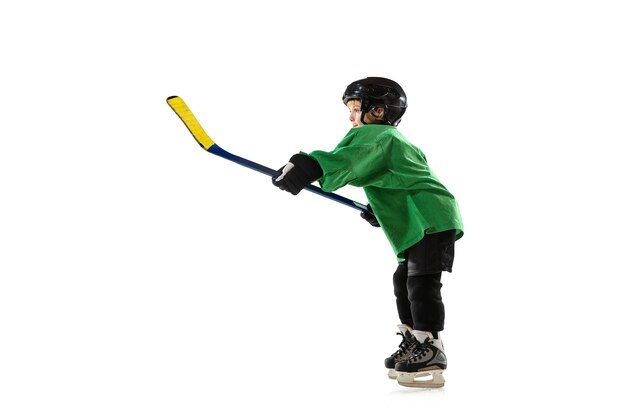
{"x":425,"y":379}
{"x":392,"y":374}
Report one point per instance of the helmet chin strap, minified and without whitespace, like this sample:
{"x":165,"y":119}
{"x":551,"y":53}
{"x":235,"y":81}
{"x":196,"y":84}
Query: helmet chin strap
{"x":363,"y":113}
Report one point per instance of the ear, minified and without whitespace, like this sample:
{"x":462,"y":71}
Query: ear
{"x":378,"y":112}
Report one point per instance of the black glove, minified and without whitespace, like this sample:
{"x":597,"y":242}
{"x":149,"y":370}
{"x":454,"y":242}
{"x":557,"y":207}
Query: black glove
{"x":298,"y":173}
{"x":370,"y":217}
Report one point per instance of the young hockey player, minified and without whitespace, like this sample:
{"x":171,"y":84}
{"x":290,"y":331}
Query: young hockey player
{"x":419,"y":216}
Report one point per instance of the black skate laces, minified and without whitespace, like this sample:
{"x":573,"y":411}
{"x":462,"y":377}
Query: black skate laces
{"x":421,"y":349}
{"x":404,"y":346}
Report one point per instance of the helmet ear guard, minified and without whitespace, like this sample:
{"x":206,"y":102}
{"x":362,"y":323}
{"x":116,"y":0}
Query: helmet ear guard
{"x":370,"y":109}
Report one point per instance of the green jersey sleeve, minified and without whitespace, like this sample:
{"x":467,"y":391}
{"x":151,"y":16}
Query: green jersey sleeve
{"x":356,"y":164}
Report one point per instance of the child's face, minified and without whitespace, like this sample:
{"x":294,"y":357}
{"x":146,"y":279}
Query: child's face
{"x":355,"y":112}
{"x":372,"y":117}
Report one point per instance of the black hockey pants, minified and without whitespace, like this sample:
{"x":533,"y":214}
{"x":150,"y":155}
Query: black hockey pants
{"x":417,"y":281}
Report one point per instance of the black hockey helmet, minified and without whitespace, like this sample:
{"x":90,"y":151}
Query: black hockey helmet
{"x":378,"y":92}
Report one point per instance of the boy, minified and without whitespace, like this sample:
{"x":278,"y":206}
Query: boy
{"x":419,"y":216}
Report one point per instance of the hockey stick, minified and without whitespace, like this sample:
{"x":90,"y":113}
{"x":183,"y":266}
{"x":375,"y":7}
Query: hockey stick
{"x":182,"y":110}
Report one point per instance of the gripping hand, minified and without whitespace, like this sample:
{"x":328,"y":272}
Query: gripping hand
{"x":370,"y":217}
{"x":300,"y":171}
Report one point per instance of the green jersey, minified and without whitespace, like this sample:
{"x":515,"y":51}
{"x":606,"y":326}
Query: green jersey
{"x":406,"y":196}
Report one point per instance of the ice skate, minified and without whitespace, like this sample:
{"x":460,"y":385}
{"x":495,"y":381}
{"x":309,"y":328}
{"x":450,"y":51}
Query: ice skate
{"x":404,"y":351}
{"x":424,"y":367}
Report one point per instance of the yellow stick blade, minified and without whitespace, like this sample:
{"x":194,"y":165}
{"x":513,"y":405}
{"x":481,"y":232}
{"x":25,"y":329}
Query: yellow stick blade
{"x":182,"y":110}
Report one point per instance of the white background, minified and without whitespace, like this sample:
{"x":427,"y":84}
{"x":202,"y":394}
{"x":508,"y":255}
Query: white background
{"x":141,"y":276}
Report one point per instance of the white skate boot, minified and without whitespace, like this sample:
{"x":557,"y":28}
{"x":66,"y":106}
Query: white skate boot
{"x":424,"y":368}
{"x":405,"y":348}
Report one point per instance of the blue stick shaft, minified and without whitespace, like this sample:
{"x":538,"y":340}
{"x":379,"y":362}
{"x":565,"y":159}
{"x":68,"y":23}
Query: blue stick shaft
{"x":216,"y":150}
